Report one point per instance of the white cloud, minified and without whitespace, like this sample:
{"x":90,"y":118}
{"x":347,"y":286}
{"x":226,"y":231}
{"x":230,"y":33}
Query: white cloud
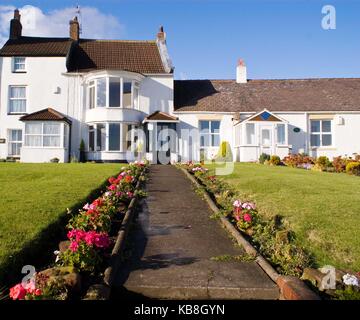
{"x":35,"y":22}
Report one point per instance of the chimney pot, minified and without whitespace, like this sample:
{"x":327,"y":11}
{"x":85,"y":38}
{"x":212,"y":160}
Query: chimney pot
{"x":15,"y":26}
{"x":161,"y":36}
{"x":241,"y":74}
{"x":74,"y":29}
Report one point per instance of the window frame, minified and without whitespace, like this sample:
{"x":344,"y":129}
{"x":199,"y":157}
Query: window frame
{"x":10,"y":141}
{"x":210,"y":134}
{"x":277,"y":134}
{"x":135,"y":87}
{"x":10,"y":99}
{"x":246,"y":134}
{"x":320,"y":133}
{"x":61,"y":135}
{"x":14,"y":63}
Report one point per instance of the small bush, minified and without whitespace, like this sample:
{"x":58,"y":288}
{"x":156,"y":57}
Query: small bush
{"x":322,"y":163}
{"x":298,"y":161}
{"x":339,"y":164}
{"x":54,"y":160}
{"x":263,"y":157}
{"x":224,"y":153}
{"x":353,"y":168}
{"x":275,"y":161}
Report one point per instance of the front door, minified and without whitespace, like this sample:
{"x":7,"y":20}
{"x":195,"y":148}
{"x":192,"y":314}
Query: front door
{"x":163,"y":143}
{"x":266,"y":139}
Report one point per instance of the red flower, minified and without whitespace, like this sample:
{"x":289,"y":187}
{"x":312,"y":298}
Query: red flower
{"x":17,"y":292}
{"x":247,"y":217}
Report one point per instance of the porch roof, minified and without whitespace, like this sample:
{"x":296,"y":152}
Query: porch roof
{"x":47,"y":114}
{"x":159,"y":116}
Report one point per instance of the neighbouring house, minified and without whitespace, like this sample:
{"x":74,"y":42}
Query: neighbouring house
{"x":121,"y":99}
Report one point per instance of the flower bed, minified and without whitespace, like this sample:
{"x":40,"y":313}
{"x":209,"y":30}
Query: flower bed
{"x":272,"y":238}
{"x":83,"y":257}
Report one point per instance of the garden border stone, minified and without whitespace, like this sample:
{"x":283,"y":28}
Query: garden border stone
{"x":291,"y":288}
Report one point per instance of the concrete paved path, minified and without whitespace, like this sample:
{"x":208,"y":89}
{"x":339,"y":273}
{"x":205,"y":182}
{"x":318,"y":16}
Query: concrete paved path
{"x":172,"y":245}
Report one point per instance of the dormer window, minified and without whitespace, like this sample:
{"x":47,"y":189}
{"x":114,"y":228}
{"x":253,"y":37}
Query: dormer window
{"x":19,"y":64}
{"x":113,"y":92}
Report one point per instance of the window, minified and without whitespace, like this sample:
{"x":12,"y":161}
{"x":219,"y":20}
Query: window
{"x":114,"y":136}
{"x":127,"y":94}
{"x":17,"y":99}
{"x":209,"y":133}
{"x":15,"y":142}
{"x":280,"y":136}
{"x":19,"y":64}
{"x":321,"y":135}
{"x":91,"y":138}
{"x":100,"y":137}
{"x":92,"y":94}
{"x":101,"y":92}
{"x":114,"y":92}
{"x":43,"y":134}
{"x":250,"y":133}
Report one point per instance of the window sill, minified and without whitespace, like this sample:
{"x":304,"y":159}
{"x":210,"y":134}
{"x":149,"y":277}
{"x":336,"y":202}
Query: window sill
{"x":323,"y":148}
{"x":39,"y":147}
{"x":16,"y":113}
{"x":19,"y":71}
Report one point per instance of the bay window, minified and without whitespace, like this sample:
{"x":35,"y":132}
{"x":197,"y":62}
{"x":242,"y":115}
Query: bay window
{"x":17,"y":99}
{"x":43,"y":134}
{"x":321,"y":133}
{"x":119,"y":137}
{"x":113,"y":92}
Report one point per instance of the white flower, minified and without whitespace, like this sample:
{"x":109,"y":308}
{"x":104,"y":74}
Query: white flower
{"x":56,"y":253}
{"x":350,"y":280}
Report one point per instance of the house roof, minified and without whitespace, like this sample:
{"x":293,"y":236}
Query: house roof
{"x":160,"y":116}
{"x":48,"y":114}
{"x":134,"y":56}
{"x":36,"y":46}
{"x":87,"y":54}
{"x":274,"y":95}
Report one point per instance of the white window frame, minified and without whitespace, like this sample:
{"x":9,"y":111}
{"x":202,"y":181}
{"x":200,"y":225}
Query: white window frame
{"x":246,"y":136}
{"x":210,"y":134}
{"x":321,"y":133}
{"x":14,"y":99}
{"x":60,"y":135}
{"x":285,"y":134}
{"x":14,"y":64}
{"x":134,"y":84}
{"x":10,"y":141}
{"x":92,"y":86}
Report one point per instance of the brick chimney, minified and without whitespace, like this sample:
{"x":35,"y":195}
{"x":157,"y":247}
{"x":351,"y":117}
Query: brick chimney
{"x":74,"y":29}
{"x":241,"y":74}
{"x":15,"y":26}
{"x":161,"y":36}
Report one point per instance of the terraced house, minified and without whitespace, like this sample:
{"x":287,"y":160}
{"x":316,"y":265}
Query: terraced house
{"x":56,"y":92}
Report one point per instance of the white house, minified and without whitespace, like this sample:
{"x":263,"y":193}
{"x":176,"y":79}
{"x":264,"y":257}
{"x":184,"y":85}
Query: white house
{"x":55,"y":92}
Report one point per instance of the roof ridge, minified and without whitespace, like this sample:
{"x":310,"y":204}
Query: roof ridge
{"x":118,"y":40}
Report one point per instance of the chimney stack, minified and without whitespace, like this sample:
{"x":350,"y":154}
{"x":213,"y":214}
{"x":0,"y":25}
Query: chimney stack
{"x":241,"y":74}
{"x":74,"y":29}
{"x":161,"y":36}
{"x":15,"y":26}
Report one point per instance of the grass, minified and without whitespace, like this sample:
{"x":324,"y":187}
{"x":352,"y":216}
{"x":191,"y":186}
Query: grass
{"x":34,"y":199}
{"x":323,"y":209}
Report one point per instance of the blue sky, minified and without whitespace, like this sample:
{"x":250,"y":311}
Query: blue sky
{"x":277,"y":39}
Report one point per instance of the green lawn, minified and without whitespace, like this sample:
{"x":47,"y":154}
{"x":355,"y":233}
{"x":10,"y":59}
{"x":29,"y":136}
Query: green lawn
{"x":36,"y":195}
{"x":322,"y":208}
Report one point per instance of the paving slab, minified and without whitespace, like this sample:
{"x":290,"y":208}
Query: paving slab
{"x":173,"y":243}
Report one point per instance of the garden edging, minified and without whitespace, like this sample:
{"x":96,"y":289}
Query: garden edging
{"x":291,"y":288}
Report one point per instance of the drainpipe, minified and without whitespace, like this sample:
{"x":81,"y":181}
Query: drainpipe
{"x":307,"y":149}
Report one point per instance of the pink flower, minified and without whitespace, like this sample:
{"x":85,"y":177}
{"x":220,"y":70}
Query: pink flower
{"x":237,"y":203}
{"x":112,"y":187}
{"x":129,"y":194}
{"x":17,"y":292}
{"x":38,"y":292}
{"x":89,"y":237}
{"x":73,"y":246}
{"x":247,"y":217}
{"x":101,"y":240}
{"x":118,"y":194}
{"x":249,"y":206}
{"x":86,"y":207}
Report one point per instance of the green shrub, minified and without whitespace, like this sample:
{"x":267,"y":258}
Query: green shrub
{"x":353,"y":168}
{"x":275,"y":161}
{"x":263,"y":157}
{"x":322,"y":163}
{"x":224,"y":153}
